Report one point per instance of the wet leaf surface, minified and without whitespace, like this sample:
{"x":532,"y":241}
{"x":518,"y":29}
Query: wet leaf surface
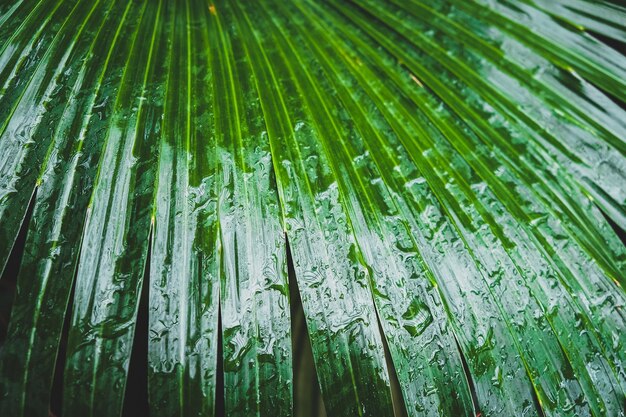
{"x":449,"y":177}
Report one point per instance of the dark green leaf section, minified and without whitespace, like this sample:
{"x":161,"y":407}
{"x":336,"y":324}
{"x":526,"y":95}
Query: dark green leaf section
{"x":442,"y":168}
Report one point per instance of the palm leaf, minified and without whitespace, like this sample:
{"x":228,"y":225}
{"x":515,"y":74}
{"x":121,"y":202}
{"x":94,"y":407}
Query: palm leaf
{"x":439,"y":184}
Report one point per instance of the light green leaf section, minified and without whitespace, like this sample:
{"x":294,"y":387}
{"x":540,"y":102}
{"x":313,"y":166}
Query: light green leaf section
{"x":604,"y":17}
{"x":405,"y":295}
{"x":37,"y":74}
{"x":115,"y":241}
{"x":609,"y":379}
{"x":333,"y":283}
{"x":27,"y":359}
{"x":445,"y":173}
{"x":255,"y":292}
{"x":184,"y":285}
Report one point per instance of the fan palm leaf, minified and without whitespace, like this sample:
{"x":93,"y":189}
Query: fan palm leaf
{"x":441,"y":185}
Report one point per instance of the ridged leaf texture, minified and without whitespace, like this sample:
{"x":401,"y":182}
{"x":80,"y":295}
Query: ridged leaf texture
{"x":444,"y":181}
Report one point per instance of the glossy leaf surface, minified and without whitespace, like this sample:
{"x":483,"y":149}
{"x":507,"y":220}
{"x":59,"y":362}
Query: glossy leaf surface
{"x":446,"y":178}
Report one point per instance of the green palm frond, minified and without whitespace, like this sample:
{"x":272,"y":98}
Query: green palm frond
{"x":441,"y":183}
